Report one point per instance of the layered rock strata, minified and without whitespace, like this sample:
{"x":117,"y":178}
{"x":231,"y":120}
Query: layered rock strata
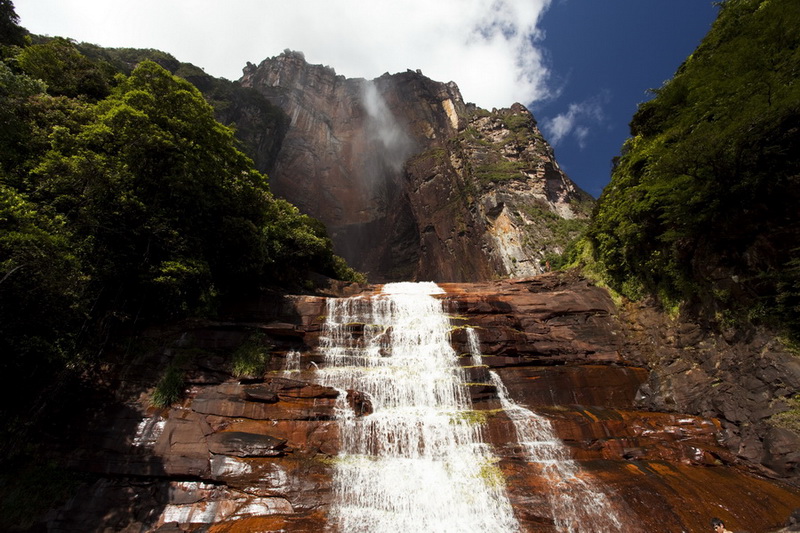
{"x":412,"y":182}
{"x":748,"y":379}
{"x":258,"y":453}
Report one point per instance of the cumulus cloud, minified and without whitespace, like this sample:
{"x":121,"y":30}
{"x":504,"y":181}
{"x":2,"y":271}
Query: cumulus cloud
{"x":576,"y":120}
{"x":489,"y":48}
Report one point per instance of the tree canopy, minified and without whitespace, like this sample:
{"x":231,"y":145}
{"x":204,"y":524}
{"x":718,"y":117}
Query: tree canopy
{"x":11,"y":33}
{"x":122,"y":201}
{"x":702,"y":204}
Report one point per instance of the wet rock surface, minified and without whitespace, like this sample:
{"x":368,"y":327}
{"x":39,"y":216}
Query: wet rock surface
{"x":666,"y":435}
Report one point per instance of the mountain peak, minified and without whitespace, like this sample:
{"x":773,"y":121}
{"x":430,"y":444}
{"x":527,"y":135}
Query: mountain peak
{"x":412,"y":182}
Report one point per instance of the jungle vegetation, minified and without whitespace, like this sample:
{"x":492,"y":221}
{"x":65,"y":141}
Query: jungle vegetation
{"x":122,"y":202}
{"x":702,"y":207}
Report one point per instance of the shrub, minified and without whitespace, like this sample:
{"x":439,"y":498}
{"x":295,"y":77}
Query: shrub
{"x":169,"y":388}
{"x":252,"y":357}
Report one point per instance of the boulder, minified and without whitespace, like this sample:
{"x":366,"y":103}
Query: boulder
{"x":241,"y":444}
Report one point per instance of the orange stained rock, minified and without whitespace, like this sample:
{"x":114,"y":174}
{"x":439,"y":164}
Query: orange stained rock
{"x":310,"y":523}
{"x":587,"y":414}
{"x":670,"y":496}
{"x":634,"y":469}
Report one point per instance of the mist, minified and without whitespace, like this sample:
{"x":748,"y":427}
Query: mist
{"x":390,"y":140}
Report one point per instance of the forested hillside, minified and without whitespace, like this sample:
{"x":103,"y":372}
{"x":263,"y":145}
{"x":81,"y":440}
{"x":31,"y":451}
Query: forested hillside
{"x":702,"y":208}
{"x":123,"y":201}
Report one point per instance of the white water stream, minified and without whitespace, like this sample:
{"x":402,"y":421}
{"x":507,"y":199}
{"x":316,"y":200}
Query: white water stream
{"x":292,"y":363}
{"x":577,"y":505}
{"x":474,"y":346}
{"x":417,"y":463}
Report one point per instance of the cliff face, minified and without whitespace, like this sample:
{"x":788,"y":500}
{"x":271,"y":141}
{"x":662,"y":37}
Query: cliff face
{"x":259,"y":454}
{"x":412,"y":182}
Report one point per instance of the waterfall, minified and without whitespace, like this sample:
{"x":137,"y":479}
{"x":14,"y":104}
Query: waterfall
{"x":292,"y":363}
{"x":417,"y":462}
{"x":474,"y":346}
{"x":577,"y":506}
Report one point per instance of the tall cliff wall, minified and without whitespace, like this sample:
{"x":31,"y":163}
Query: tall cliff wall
{"x":412,"y":182}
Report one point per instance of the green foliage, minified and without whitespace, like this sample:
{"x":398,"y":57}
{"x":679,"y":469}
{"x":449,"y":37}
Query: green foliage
{"x":168,"y":201}
{"x":341,"y":270}
{"x":153,"y":183}
{"x":256,"y":119}
{"x":787,"y":297}
{"x":522,"y":127}
{"x":579,"y":254}
{"x":16,"y":94}
{"x":562,"y":229}
{"x":573,"y":255}
{"x":184,"y":285}
{"x":789,"y":419}
{"x":11,"y":33}
{"x":123,"y":60}
{"x":169,"y":388}
{"x":493,"y":165}
{"x":65,"y":70}
{"x":499,"y":170}
{"x":123,"y":201}
{"x":702,"y":200}
{"x":472,"y":136}
{"x":251,"y":358}
{"x":40,"y":283}
{"x":518,"y":122}
{"x":552,"y":233}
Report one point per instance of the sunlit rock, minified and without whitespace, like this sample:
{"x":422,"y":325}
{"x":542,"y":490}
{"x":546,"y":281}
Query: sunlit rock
{"x":411,"y":181}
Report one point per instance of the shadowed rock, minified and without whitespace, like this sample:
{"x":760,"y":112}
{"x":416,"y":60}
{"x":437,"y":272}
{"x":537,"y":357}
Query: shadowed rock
{"x":242,"y":444}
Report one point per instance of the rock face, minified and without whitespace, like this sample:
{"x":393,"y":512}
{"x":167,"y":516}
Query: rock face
{"x":747,"y":379}
{"x":257,"y":454}
{"x":412,"y":182}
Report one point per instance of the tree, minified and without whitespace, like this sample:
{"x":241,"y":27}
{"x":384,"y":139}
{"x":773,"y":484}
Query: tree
{"x":11,"y":33}
{"x":173,"y":211}
{"x":701,"y":205}
{"x":40,"y":288}
{"x":65,"y":70}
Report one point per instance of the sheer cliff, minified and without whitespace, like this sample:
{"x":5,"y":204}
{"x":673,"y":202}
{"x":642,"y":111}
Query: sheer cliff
{"x":412,"y":182}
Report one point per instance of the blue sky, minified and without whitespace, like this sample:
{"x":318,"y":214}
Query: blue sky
{"x":581,"y":66}
{"x":603,"y":58}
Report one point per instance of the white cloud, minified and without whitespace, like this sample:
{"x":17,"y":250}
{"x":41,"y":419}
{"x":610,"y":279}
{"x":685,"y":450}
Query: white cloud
{"x":489,"y":48}
{"x":581,"y":132}
{"x":576,"y":120}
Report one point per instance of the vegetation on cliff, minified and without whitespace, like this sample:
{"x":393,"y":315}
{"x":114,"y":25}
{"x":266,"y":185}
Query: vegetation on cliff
{"x":702,"y":204}
{"x":504,"y":152}
{"x":123,"y":200}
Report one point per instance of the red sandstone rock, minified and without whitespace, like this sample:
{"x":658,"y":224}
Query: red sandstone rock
{"x":241,"y":444}
{"x":662,"y":469}
{"x":536,"y":326}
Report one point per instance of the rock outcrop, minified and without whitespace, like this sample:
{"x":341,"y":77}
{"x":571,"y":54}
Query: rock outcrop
{"x":411,"y":181}
{"x":747,"y":379}
{"x":257,"y":454}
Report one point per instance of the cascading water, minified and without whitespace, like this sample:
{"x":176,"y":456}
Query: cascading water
{"x":577,"y":506}
{"x":292,"y":363}
{"x":416,"y":463}
{"x":474,"y":346}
